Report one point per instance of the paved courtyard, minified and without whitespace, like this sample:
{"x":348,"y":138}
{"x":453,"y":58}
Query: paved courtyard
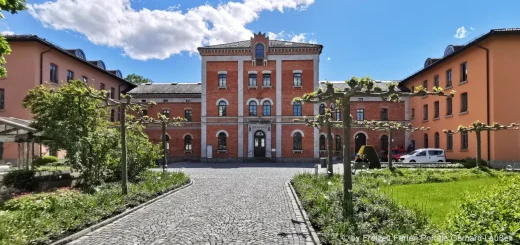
{"x":227,"y":204}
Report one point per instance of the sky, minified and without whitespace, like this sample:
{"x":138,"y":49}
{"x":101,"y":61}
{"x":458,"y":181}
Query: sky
{"x":158,"y":39}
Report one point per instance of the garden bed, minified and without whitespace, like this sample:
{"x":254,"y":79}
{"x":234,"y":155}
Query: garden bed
{"x":379,"y":217}
{"x":45,"y":217}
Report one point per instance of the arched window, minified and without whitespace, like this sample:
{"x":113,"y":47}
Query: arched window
{"x":322,"y":109}
{"x":338,"y":143}
{"x":297,"y":141}
{"x":360,"y":114}
{"x":166,"y":112}
{"x":222,"y":108}
{"x":322,"y":142}
{"x":384,"y":114}
{"x":332,"y":106}
{"x":437,"y":140}
{"x":267,"y":108}
{"x":297,"y":108}
{"x":338,"y":115}
{"x":259,"y":51}
{"x":187,"y":143}
{"x":384,"y":142}
{"x":425,"y":140}
{"x":252,"y":108}
{"x":222,"y":141}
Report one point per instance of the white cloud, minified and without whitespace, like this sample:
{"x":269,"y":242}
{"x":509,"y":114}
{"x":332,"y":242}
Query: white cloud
{"x":300,"y":38}
{"x":471,"y":28}
{"x":328,"y":58}
{"x":4,"y":33}
{"x":157,"y":34}
{"x":461,"y":32}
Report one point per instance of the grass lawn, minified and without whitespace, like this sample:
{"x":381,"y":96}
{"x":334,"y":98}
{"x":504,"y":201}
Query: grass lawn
{"x":436,"y":199}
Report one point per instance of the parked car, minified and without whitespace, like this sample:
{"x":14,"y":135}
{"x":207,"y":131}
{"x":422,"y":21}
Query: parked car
{"x":427,"y":155}
{"x":396,"y":154}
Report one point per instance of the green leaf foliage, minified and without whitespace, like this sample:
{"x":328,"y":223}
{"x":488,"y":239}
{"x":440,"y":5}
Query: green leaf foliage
{"x":22,"y":180}
{"x":137,"y":79}
{"x":45,"y":160}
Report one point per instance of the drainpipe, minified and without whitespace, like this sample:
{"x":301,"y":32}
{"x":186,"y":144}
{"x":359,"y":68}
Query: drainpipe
{"x":41,"y":64}
{"x":487,"y":103}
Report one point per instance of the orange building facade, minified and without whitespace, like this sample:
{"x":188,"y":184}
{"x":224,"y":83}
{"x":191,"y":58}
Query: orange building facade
{"x":35,"y":61}
{"x":484,"y":74}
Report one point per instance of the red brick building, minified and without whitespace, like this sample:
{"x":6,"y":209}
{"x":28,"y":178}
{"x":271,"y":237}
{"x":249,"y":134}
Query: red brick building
{"x":243,"y":108}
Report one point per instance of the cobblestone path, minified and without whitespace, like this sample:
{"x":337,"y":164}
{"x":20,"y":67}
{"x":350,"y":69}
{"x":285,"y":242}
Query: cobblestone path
{"x":227,"y":204}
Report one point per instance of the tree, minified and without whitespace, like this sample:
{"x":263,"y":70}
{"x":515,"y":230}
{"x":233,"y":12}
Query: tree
{"x":12,"y":6}
{"x":478,"y":127}
{"x":320,"y":121}
{"x":358,"y":87}
{"x":389,"y":127}
{"x":137,"y":79}
{"x":71,"y":120}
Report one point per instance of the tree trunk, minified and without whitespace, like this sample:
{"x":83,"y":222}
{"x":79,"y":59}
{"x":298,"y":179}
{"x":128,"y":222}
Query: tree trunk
{"x":329,"y":150}
{"x":165,"y":160}
{"x":124,"y":160}
{"x":348,"y":209}
{"x":390,"y":164}
{"x":479,"y":153}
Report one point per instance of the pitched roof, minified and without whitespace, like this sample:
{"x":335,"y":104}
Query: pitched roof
{"x":459,"y":48}
{"x":167,"y":88}
{"x":68,"y":52}
{"x":272,"y":44}
{"x":341,"y":85}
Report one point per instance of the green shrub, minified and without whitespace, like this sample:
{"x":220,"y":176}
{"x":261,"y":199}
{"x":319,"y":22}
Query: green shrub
{"x":472,"y":162}
{"x":45,"y":160}
{"x":43,"y":217}
{"x":23,"y":180}
{"x":490,"y":212}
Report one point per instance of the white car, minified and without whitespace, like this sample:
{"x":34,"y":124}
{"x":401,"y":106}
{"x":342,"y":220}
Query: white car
{"x":427,"y":155}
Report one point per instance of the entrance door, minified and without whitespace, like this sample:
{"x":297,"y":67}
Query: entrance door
{"x":259,"y":142}
{"x":361,"y":140}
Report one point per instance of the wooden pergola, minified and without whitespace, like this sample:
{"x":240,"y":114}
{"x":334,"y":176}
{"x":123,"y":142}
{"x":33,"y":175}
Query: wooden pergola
{"x":19,"y":131}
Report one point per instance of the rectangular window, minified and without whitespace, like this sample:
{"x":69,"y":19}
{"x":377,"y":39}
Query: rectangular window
{"x":266,"y":80}
{"x":252,"y":80}
{"x":464,"y":72}
{"x":448,"y":79}
{"x":297,"y":109}
{"x":54,"y":73}
{"x":101,"y":86}
{"x":2,"y":99}
{"x":449,"y":106}
{"x":70,"y":75}
{"x":112,"y":93}
{"x":360,"y":114}
{"x":464,"y":140}
{"x":145,"y":112}
{"x":188,"y":115}
{"x":464,"y":102}
{"x":425,"y":112}
{"x":425,"y":84}
{"x":85,"y":79}
{"x":436,"y":81}
{"x":384,"y":114}
{"x":449,"y":143}
{"x":222,"y":80}
{"x":436,"y":109}
{"x":413,"y":113}
{"x":297,"y":79}
{"x":112,"y":115}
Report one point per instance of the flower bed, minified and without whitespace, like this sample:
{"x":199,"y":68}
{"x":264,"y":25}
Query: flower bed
{"x":44,"y":217}
{"x":375,"y":214}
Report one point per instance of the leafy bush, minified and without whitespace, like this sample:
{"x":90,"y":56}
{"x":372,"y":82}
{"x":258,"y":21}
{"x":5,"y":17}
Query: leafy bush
{"x":45,"y":160}
{"x":374,"y":213}
{"x":472,"y":162}
{"x":493,"y":212}
{"x":41,"y":218}
{"x":23,"y":180}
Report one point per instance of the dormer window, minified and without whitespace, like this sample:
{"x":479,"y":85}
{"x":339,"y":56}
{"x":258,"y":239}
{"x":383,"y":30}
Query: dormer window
{"x":259,"y":51}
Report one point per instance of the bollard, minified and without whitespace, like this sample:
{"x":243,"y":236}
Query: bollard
{"x":316,"y":169}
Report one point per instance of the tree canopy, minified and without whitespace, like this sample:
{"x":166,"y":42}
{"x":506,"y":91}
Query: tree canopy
{"x":137,"y":79}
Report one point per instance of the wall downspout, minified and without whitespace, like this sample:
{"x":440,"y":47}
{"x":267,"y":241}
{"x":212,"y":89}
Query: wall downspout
{"x":41,"y":64}
{"x":488,"y":122}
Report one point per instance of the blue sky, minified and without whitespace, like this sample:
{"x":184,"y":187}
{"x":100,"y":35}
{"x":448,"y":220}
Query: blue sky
{"x":387,"y":40}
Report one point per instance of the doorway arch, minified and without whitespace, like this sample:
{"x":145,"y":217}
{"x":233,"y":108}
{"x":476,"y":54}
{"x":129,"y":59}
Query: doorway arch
{"x":360,"y":140}
{"x":259,"y":143}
